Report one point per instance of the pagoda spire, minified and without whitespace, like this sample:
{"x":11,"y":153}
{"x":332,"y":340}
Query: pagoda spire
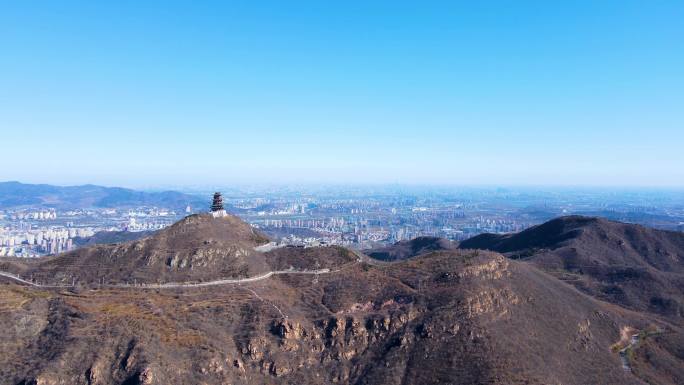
{"x":217,"y":209}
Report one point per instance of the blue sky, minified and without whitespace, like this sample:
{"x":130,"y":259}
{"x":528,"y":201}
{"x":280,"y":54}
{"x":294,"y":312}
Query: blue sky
{"x":151,"y":93}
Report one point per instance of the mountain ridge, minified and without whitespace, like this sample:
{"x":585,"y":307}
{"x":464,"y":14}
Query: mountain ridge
{"x":446,"y":316}
{"x":632,"y":265}
{"x":16,"y":194}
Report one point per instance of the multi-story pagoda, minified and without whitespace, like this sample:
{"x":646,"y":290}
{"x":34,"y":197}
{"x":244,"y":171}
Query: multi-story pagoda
{"x":217,"y":206}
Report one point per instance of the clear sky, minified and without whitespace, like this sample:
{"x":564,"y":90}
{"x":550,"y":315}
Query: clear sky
{"x":145,"y":93}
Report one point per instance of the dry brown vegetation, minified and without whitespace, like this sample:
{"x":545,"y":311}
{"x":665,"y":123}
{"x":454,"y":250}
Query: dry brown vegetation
{"x":444,"y":317}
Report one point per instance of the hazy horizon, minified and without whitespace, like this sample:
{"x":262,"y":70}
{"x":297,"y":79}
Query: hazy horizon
{"x":160,"y":94}
{"x":314,"y":186}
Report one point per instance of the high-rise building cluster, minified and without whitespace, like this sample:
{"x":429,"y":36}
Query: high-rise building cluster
{"x":28,"y":232}
{"x":34,"y":242}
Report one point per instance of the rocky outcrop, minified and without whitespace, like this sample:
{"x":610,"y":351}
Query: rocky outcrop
{"x":448,"y":317}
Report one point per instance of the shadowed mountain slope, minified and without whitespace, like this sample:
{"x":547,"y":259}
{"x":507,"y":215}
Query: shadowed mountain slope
{"x":110,"y":237}
{"x":410,"y":248}
{"x":627,"y":264}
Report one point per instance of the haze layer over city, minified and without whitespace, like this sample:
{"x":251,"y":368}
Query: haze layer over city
{"x":361,"y":216}
{"x":345,"y":124}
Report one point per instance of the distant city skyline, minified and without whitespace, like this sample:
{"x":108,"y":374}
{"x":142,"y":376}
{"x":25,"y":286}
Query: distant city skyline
{"x":37,"y":220}
{"x":154,"y":94}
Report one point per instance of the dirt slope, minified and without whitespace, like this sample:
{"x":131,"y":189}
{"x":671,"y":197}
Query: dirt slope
{"x":443,"y":317}
{"x":198,"y":247}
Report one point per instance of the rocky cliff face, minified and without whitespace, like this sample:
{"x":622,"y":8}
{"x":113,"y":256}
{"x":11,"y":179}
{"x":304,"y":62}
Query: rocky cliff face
{"x":447,"y":317}
{"x":444,"y":317}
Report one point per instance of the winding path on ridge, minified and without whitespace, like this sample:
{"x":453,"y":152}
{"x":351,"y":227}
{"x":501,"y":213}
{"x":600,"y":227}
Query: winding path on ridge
{"x":175,"y":285}
{"x":180,"y":285}
{"x":360,"y":258}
